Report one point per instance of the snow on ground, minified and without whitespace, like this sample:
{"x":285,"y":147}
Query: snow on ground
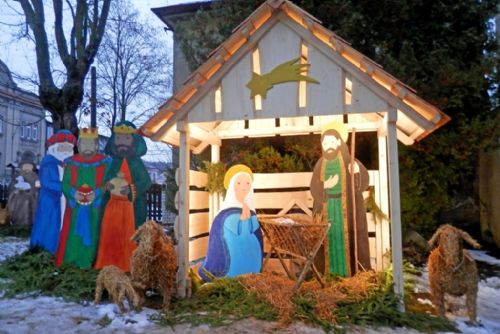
{"x":483,"y":257}
{"x":11,"y":246}
{"x":40,"y":314}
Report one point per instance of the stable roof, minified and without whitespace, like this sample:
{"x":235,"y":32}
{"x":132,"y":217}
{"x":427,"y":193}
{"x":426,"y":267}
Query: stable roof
{"x":216,"y":103}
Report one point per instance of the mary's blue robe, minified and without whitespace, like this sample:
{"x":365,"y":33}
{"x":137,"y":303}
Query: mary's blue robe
{"x":234,"y":246}
{"x":47,"y":224}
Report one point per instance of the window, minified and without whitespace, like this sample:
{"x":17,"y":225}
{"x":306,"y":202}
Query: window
{"x":27,"y":131}
{"x":21,"y":130}
{"x":34,"y":132}
{"x":3,"y":114}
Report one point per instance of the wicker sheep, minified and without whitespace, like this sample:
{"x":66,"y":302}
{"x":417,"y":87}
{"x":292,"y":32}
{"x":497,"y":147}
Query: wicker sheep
{"x":118,"y":285}
{"x":452,"y":269}
{"x":154,"y":262}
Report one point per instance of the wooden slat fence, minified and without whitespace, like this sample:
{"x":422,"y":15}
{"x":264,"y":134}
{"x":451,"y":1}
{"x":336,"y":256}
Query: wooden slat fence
{"x":273,"y":192}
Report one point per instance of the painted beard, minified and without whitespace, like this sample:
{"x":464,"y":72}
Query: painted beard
{"x":88,"y":154}
{"x":124,"y":151}
{"x":330,"y":153}
{"x":61,"y":155}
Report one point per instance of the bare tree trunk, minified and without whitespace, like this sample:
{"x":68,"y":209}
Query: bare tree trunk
{"x":86,"y":35}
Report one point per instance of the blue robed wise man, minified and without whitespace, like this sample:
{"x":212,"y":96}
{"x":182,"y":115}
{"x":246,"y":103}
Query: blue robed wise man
{"x":235,"y":242}
{"x":51,"y":201}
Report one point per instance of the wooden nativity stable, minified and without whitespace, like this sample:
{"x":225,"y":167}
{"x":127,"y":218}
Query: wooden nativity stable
{"x":215,"y":103}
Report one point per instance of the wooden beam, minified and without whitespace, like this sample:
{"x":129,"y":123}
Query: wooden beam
{"x":296,"y":130}
{"x":214,"y":197}
{"x":395,"y":207}
{"x":183,"y":227}
{"x":203,"y":135}
{"x":382,"y":199}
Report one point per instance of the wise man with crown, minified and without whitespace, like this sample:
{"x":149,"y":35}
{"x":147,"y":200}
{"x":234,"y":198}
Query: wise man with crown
{"x":127,"y":182}
{"x":83,"y":186}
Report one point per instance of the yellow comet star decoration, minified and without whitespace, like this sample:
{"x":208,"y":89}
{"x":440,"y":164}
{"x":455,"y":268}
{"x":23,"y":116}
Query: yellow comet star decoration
{"x":286,"y":72}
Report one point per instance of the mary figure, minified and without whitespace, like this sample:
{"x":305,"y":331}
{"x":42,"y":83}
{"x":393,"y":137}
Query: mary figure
{"x":235,"y":242}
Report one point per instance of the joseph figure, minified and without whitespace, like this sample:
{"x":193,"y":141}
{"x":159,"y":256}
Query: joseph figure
{"x":83,"y":187}
{"x":332,"y":190}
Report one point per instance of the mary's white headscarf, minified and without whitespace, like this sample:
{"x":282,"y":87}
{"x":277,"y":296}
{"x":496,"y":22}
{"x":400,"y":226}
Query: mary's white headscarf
{"x":230,"y":200}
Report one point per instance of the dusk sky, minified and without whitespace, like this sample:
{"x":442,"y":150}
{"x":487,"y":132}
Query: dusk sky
{"x":19,"y":54}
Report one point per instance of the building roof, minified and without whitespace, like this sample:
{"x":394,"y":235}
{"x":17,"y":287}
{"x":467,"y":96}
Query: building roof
{"x":8,"y":88}
{"x":170,"y":14}
{"x":416,"y":117}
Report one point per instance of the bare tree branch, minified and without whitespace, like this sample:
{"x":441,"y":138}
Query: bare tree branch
{"x":59,"y":32}
{"x":35,"y":19}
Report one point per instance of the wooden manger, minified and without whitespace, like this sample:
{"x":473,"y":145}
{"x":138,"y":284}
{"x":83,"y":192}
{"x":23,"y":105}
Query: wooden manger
{"x":298,"y":236}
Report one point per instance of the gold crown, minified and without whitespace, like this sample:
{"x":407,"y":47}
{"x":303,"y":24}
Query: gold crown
{"x":124,"y":129}
{"x":233,"y":171}
{"x":89,"y":133}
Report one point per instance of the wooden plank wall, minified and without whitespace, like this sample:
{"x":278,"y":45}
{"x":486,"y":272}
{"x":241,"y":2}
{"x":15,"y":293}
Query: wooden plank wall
{"x":273,"y":192}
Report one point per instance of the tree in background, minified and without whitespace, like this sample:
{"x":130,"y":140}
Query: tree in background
{"x":133,"y":67}
{"x":77,"y":39}
{"x":446,"y":50}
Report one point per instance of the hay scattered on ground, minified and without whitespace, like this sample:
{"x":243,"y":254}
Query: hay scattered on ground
{"x":275,"y":289}
{"x":343,"y":290}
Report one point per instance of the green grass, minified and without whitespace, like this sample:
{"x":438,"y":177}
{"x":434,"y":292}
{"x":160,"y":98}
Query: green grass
{"x":35,"y":272}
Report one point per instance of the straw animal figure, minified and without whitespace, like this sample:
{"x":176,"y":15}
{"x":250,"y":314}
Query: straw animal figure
{"x":119,"y":287}
{"x":452,"y":269}
{"x":154,"y":261}
{"x":4,"y":216}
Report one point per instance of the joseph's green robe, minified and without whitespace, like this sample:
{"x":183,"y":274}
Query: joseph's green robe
{"x":337,"y":255}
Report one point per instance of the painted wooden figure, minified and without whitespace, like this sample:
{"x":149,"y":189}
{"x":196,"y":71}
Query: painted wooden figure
{"x":83,"y":186}
{"x":51,"y":201}
{"x":235,"y":243}
{"x":332,"y":190}
{"x":127,"y":182}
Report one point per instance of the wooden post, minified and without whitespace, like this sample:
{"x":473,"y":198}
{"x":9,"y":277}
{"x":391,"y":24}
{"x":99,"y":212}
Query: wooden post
{"x":183,"y":207}
{"x":395,"y":208}
{"x":383,"y":234}
{"x":214,"y":198}
{"x":93,"y":98}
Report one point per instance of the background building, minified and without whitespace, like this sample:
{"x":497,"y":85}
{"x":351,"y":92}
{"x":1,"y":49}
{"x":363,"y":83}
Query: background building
{"x":22,"y":124}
